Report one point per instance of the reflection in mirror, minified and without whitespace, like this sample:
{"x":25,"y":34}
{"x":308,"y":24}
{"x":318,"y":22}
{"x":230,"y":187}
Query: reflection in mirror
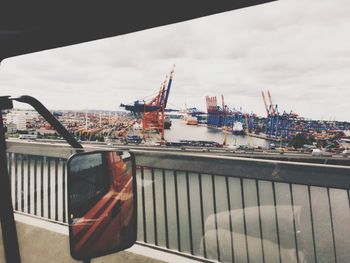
{"x":101,"y":203}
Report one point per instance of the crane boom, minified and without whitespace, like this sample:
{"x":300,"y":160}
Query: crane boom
{"x":169,"y":86}
{"x":265,"y":104}
{"x":270,"y":99}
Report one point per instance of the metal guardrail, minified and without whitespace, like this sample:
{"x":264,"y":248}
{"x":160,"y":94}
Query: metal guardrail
{"x":210,"y":208}
{"x":38,"y":185}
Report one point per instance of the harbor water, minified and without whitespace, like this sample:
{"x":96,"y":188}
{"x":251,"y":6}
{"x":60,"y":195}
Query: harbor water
{"x":180,"y":131}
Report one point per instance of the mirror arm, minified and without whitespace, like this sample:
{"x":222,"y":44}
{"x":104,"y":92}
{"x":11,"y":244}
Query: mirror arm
{"x":43,"y":111}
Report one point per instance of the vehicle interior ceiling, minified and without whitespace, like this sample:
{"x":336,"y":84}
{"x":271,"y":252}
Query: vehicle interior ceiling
{"x":34,"y":27}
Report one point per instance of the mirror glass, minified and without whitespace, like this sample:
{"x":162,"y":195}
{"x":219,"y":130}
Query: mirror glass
{"x":101,"y":203}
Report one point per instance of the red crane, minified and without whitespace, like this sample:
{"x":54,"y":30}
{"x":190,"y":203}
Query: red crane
{"x":154,"y":120}
{"x":153,"y":111}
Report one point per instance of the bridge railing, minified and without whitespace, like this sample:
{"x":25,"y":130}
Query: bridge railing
{"x":226,"y":209}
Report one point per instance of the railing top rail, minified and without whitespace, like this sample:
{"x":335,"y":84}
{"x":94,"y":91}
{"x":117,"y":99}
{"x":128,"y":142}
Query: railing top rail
{"x":161,"y":153}
{"x":279,"y":171}
{"x":58,"y":150}
{"x":335,"y":176}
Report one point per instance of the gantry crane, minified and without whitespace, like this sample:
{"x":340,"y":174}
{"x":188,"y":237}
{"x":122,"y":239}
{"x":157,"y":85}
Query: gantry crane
{"x":152,"y":112}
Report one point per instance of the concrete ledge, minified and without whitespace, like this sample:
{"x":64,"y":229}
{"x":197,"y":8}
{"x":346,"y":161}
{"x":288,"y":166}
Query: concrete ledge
{"x":39,"y":244}
{"x":44,"y":241}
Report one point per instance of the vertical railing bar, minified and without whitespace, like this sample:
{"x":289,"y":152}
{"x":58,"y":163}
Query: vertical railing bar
{"x":294,"y":225}
{"x":244,"y":219}
{"x":331,"y":216}
{"x":35,"y":187}
{"x":230,"y":218}
{"x":16,"y":181}
{"x":64,"y":191}
{"x":9,"y":161}
{"x":215,"y":217}
{"x":49,"y":188}
{"x":202,"y":214}
{"x":312,"y":223}
{"x":154,"y":208}
{"x":260,"y":224}
{"x":8,"y":156}
{"x":143,"y":206}
{"x":22,"y":183}
{"x":56,"y":189}
{"x":276,"y":217}
{"x":28,"y":183}
{"x":42,"y":186}
{"x":165,"y":211}
{"x":189,"y":212}
{"x":177,"y":213}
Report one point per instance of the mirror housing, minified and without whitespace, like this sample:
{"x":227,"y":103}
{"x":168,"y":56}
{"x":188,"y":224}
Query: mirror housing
{"x":102,"y":203}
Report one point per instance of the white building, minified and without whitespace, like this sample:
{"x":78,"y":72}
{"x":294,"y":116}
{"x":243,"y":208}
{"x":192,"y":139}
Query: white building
{"x":11,"y":128}
{"x":20,"y":118}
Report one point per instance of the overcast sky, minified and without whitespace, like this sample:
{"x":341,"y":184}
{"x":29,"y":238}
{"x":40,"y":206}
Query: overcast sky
{"x":300,"y":53}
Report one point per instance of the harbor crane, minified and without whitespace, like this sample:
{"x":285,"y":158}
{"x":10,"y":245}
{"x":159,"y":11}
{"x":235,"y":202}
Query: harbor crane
{"x":279,"y":124}
{"x":152,"y":112}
